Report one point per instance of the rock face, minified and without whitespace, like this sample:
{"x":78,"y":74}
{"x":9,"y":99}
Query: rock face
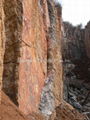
{"x":2,"y":42}
{"x":32,"y":52}
{"x":25,"y":59}
{"x":8,"y":111}
{"x":12,"y":23}
{"x":73,"y":42}
{"x":87,"y":39}
{"x":67,"y":112}
{"x":53,"y":89}
{"x":33,"y":59}
{"x":76,"y":67}
{"x":32,"y":76}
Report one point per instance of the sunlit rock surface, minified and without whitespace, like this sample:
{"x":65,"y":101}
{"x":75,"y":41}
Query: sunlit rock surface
{"x":2,"y":43}
{"x":30,"y":44}
{"x":33,"y":69}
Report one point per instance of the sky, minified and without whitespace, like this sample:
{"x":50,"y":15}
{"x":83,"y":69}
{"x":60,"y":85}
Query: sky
{"x":76,"y":11}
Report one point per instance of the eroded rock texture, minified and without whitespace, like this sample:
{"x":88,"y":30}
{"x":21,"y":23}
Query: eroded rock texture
{"x":32,"y":76}
{"x":13,"y":27}
{"x":2,"y":43}
{"x":87,"y":39}
{"x":52,"y":91}
{"x":76,"y":67}
{"x":32,"y":32}
{"x":73,"y":42}
{"x":8,"y":111}
{"x":33,"y":59}
{"x":25,"y":59}
{"x":66,"y":112}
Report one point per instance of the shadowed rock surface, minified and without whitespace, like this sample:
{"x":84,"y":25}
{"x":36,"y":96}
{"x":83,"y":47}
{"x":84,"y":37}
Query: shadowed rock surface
{"x":87,"y":38}
{"x":76,"y":67}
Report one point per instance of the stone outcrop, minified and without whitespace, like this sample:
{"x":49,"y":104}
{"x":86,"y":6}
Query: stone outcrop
{"x":87,"y":39}
{"x":73,"y":42}
{"x":32,"y":52}
{"x":8,"y":111}
{"x":67,"y":112}
{"x":33,"y":59}
{"x":53,"y":89}
{"x":2,"y":42}
{"x":25,"y":56}
{"x":76,"y":67}
{"x":12,"y":24}
{"x":32,"y":76}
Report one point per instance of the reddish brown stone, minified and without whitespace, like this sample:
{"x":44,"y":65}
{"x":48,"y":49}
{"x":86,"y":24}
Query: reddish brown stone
{"x":33,"y":59}
{"x":33,"y":37}
{"x":8,"y":111}
{"x":2,"y":43}
{"x":66,"y":112}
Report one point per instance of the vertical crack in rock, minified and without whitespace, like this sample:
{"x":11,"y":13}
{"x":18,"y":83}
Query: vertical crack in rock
{"x":47,"y":97}
{"x":13,"y":27}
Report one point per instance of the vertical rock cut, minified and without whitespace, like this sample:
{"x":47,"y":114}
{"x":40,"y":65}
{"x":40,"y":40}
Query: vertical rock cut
{"x":2,"y":43}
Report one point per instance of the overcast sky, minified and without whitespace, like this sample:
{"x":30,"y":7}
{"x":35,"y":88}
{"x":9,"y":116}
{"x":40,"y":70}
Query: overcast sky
{"x":76,"y":11}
